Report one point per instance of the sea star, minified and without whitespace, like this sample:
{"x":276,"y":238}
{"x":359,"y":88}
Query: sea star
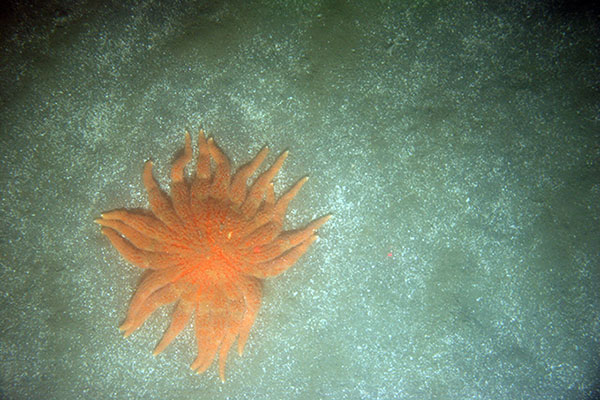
{"x":208,"y":247}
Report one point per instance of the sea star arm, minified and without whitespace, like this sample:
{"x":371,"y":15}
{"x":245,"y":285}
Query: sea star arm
{"x":283,"y":202}
{"x":177,"y":170}
{"x":283,"y":242}
{"x":138,"y":257}
{"x":152,"y":282}
{"x":203,"y":163}
{"x":145,"y":224}
{"x":252,"y":289}
{"x":179,"y":320}
{"x":264,"y":214}
{"x":240,"y":179}
{"x":136,"y":238}
{"x":258,"y":188}
{"x":180,"y":192}
{"x":201,"y":181}
{"x":263,"y":235}
{"x":210,"y":327}
{"x":161,"y":297}
{"x":220,"y":183}
{"x":280,"y":264}
{"x":159,"y":201}
{"x":235,"y":312}
{"x":123,"y":246}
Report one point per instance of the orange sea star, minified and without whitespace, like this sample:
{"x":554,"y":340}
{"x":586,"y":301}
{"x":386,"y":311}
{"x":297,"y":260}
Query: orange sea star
{"x":208,"y":247}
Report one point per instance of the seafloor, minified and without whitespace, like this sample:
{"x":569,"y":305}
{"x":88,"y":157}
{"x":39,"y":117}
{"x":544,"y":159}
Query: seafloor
{"x":456,"y":143}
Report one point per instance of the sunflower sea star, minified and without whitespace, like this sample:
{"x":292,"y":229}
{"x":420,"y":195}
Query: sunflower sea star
{"x":208,"y":247}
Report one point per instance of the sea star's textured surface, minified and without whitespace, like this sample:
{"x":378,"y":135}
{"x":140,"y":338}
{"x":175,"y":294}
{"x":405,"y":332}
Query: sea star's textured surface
{"x":208,"y":247}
